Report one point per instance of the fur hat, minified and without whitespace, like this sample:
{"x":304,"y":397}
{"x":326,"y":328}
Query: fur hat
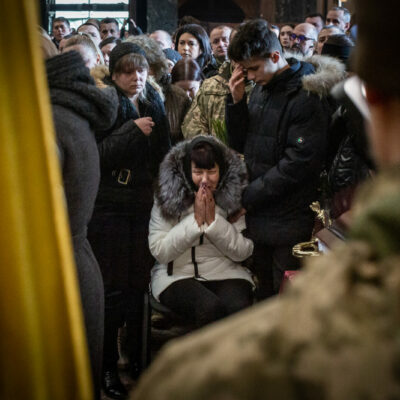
{"x":376,"y":58}
{"x":121,"y":50}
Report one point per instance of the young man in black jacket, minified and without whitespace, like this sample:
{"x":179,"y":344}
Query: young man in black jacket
{"x":282,"y":133}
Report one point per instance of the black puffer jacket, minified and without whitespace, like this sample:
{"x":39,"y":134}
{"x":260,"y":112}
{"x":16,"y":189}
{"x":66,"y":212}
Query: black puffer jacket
{"x":283,"y":135}
{"x":129,"y":156}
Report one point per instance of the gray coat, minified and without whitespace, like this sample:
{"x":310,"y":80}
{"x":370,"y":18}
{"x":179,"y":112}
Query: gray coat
{"x":78,"y":108}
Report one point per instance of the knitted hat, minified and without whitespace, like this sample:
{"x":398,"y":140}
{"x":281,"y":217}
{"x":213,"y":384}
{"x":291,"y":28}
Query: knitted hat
{"x":172,"y":55}
{"x":121,"y":50}
{"x":376,"y":57}
{"x":338,"y":46}
{"x":67,"y":67}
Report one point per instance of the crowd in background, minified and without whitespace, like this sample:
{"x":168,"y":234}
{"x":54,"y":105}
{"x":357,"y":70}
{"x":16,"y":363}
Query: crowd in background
{"x":185,"y":154}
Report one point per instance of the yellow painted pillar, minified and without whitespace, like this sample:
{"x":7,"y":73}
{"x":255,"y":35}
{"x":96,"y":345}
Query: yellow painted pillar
{"x":43,"y":352}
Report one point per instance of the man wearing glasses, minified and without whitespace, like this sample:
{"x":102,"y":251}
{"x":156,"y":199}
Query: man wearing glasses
{"x":303,"y":39}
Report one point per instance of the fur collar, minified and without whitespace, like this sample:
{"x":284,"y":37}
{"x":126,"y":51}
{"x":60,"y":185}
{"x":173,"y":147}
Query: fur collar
{"x":328,"y":72}
{"x":174,"y":193}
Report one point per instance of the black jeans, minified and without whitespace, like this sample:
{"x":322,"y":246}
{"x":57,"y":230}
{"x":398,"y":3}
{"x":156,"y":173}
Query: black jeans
{"x":269,"y":265}
{"x":202,"y":302}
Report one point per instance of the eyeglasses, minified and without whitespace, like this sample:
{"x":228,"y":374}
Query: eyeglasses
{"x":301,"y":38}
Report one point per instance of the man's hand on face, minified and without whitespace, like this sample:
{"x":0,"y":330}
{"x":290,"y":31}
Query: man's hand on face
{"x":237,"y":84}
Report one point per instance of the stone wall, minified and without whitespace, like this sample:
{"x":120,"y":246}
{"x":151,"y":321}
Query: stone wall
{"x":162,"y":14}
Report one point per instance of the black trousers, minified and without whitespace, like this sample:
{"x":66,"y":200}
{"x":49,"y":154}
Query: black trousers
{"x":122,"y":306}
{"x":269,"y":265}
{"x":202,"y":302}
{"x":120,"y":244}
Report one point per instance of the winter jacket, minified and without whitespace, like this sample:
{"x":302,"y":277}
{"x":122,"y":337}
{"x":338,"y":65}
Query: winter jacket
{"x":332,"y":335}
{"x":176,"y":101}
{"x":209,"y":252}
{"x":79,"y":108}
{"x":129,"y":159}
{"x":348,"y":162}
{"x":207,"y":113}
{"x":283,"y":135}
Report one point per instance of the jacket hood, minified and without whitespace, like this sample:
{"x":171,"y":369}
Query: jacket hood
{"x":328,"y":72}
{"x":71,"y":86}
{"x":174,"y":192}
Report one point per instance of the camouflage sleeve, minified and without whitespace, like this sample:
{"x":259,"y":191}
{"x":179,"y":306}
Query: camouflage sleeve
{"x":320,"y":340}
{"x":195,"y":123}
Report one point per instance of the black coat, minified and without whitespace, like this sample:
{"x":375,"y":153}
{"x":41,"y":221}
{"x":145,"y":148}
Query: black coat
{"x":125,"y":147}
{"x":78,"y":108}
{"x":283,"y":135}
{"x":129,"y":165}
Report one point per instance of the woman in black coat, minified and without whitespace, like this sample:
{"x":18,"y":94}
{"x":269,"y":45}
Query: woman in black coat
{"x":130,"y":155}
{"x":78,"y":108}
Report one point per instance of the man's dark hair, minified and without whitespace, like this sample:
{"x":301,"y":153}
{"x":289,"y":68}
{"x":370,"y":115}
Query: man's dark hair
{"x":376,"y":21}
{"x":188,"y":19}
{"x":338,"y":46}
{"x":88,"y":24}
{"x":253,"y":39}
{"x":340,"y":40}
{"x":61,"y":19}
{"x":110,"y":39}
{"x":109,"y":21}
{"x":313,"y":15}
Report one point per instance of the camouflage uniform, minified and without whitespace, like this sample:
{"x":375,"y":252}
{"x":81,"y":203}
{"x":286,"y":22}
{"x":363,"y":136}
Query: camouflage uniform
{"x":207,"y":112}
{"x":333,"y":335}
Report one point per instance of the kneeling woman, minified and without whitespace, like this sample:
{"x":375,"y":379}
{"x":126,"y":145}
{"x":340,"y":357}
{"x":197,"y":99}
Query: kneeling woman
{"x":199,"y":252}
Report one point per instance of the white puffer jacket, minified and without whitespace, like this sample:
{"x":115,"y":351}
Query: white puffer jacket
{"x":218,"y":257}
{"x":210,"y":252}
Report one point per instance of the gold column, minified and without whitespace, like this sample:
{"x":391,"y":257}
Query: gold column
{"x":43,"y":352}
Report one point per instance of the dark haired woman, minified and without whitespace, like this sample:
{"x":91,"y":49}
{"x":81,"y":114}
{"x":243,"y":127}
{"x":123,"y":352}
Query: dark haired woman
{"x":192,"y":41}
{"x":198,"y":274}
{"x":130,"y":155}
{"x":284,"y":36}
{"x":188,"y":76}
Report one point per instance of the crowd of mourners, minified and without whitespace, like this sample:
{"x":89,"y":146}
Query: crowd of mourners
{"x":190,"y":162}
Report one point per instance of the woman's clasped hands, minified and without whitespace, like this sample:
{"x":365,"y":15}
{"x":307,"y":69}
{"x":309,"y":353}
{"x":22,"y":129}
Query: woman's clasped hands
{"x":204,"y":205}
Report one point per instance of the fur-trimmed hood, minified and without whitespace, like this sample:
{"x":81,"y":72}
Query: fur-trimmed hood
{"x":328,"y":72}
{"x":174,"y":192}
